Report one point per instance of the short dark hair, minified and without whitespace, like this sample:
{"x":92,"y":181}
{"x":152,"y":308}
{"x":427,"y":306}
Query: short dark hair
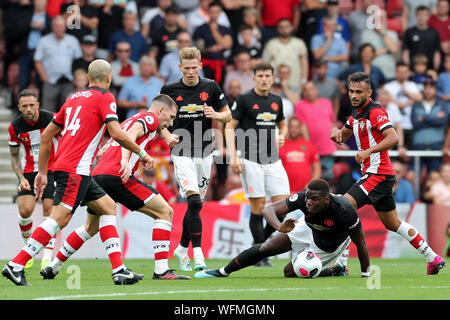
{"x":422,"y":8}
{"x":365,"y":45}
{"x":319,"y":185}
{"x":401,"y":64}
{"x":26,"y":93}
{"x":359,"y":77}
{"x":263,"y":66}
{"x":215,"y":4}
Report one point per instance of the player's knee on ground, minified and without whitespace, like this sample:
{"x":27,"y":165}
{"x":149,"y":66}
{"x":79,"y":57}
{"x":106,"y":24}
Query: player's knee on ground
{"x":289,"y":271}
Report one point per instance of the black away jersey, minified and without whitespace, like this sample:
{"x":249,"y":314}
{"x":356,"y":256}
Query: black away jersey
{"x":190,"y":123}
{"x":331,"y":228}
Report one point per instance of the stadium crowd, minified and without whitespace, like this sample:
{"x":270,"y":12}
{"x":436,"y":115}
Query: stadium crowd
{"x":313,"y":45}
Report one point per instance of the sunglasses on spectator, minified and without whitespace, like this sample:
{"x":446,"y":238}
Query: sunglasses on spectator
{"x":123,"y":50}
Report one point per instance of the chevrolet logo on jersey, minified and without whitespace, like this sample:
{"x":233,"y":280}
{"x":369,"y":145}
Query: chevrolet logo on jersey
{"x":191,"y":108}
{"x":266,"y":116}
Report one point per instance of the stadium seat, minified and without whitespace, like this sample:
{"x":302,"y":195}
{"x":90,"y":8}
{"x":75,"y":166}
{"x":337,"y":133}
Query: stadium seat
{"x":394,"y":8}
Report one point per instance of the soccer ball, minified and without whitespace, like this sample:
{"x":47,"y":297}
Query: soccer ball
{"x":307,"y":264}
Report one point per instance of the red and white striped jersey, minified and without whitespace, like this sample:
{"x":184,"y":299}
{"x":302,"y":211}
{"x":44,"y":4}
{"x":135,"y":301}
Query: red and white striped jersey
{"x":83,"y":118}
{"x":368,"y":125}
{"x":110,"y":161}
{"x":27,"y":136}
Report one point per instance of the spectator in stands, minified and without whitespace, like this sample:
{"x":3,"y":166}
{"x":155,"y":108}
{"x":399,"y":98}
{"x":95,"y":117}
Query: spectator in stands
{"x":242,"y":72}
{"x":235,"y":12}
{"x":299,"y":157}
{"x":289,"y":50}
{"x":409,"y":18}
{"x":386,"y":102}
{"x":134,"y":38}
{"x":342,"y":26}
{"x":138,"y":91}
{"x":421,"y":71}
{"x":287,"y":91}
{"x":53,"y":61}
{"x":404,"y":93}
{"x":359,"y":20}
{"x":367,"y":54}
{"x":149,"y":177}
{"x":318,"y":116}
{"x":271,"y":12}
{"x":169,"y":69}
{"x":443,"y":83}
{"x":201,"y":16}
{"x":110,"y":18}
{"x":248,"y":42}
{"x":440,"y":191}
{"x":13,"y":13}
{"x":403,"y":190}
{"x":422,"y":39}
{"x":434,"y":177}
{"x":213,"y":40}
{"x":312,"y":12}
{"x":428,"y":118}
{"x":88,"y":49}
{"x":39,"y":24}
{"x":288,"y":106}
{"x":327,"y":86}
{"x":446,"y":146}
{"x":441,"y":22}
{"x":81,"y":18}
{"x":386,"y":44}
{"x":251,"y":21}
{"x":331,"y":47}
{"x":164,"y":39}
{"x":80,"y":79}
{"x":153,"y":18}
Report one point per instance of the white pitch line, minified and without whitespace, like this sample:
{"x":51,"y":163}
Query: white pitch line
{"x":124,"y":294}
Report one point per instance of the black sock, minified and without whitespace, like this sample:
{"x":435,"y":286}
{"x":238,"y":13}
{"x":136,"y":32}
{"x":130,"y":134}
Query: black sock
{"x":194,"y":222}
{"x":185,"y":239}
{"x":326,"y":272}
{"x":256,"y":228}
{"x":246,"y":258}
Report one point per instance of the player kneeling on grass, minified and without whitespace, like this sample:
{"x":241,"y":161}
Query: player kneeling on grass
{"x":328,"y":225}
{"x":127,"y":190}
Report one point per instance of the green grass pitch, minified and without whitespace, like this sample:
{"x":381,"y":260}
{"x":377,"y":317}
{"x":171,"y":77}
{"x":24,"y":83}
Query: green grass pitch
{"x":402,"y":279}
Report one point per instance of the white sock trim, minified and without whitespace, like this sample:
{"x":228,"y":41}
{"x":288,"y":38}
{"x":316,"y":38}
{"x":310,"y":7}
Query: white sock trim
{"x":82,"y":233}
{"x":106,"y":220}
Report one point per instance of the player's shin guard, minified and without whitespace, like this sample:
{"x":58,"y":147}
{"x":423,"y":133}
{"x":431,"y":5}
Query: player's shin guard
{"x":245,"y":259}
{"x":39,"y":238}
{"x":256,"y":228}
{"x":194,"y":222}
{"x":416,"y":240}
{"x":25,"y":225}
{"x":161,"y":244}
{"x":111,"y":241}
{"x":71,"y":245}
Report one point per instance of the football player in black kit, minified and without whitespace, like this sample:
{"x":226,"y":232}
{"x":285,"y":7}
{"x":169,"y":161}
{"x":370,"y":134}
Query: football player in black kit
{"x":258,"y":114}
{"x":326,"y":228}
{"x":199,"y":102}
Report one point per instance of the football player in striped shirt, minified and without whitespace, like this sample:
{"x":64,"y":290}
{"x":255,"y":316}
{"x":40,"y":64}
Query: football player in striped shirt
{"x":25,"y":135}
{"x":375,"y":135}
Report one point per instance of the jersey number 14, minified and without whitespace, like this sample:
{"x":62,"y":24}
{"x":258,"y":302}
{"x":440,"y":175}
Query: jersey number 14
{"x":74,"y":124}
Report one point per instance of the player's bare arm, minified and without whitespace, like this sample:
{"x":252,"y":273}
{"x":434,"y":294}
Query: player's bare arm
{"x":275,"y":210}
{"x":363,"y":253}
{"x":389,"y":141}
{"x":171,"y":139}
{"x":17,"y":167}
{"x":283,"y":132}
{"x":223,"y":115}
{"x":235,"y":163}
{"x":40,"y":182}
{"x":340,"y":135}
{"x":116,"y":132}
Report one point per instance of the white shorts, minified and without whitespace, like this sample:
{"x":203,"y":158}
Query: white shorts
{"x":192,"y":174}
{"x":261,"y":180}
{"x":302,"y":240}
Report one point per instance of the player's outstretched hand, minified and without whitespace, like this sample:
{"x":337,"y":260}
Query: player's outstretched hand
{"x":148,"y":162}
{"x":124,"y":170}
{"x":40,"y":182}
{"x":288,"y":225}
{"x":24,"y":185}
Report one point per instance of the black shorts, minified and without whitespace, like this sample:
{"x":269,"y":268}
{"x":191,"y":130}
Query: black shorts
{"x":375,"y":189}
{"x":73,"y":190}
{"x":133,"y":194}
{"x":49,"y":190}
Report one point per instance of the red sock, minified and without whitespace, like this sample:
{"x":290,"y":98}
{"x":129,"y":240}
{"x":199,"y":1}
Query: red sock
{"x":161,"y":244}
{"x":73,"y":243}
{"x":111,"y":241}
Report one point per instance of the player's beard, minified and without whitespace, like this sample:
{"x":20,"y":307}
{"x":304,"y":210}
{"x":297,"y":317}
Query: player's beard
{"x":359,"y":106}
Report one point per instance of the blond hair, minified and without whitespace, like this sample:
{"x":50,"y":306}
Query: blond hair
{"x":99,"y":70}
{"x":190,"y":53}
